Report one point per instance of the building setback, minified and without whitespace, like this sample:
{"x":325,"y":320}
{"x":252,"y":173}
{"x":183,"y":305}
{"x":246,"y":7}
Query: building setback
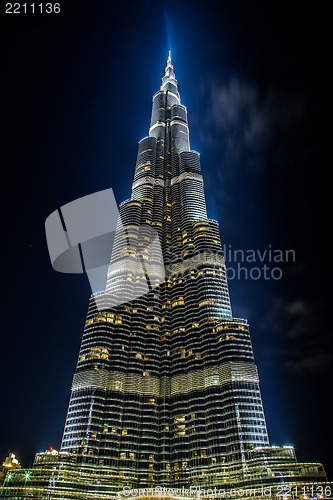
{"x":166,"y":391}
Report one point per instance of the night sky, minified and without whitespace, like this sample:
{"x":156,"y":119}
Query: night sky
{"x":75,"y":101}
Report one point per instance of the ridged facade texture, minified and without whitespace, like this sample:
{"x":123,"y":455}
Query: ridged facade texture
{"x":166,"y":389}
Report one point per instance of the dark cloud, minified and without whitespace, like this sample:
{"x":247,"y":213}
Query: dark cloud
{"x":306,"y":344}
{"x":254,"y":127}
{"x":316,"y":361}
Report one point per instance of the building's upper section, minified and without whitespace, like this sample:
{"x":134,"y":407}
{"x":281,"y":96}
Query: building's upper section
{"x":169,"y":81}
{"x":168,"y":206}
{"x":169,"y":116}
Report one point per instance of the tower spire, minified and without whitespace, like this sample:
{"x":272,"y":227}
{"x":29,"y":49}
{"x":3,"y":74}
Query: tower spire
{"x":169,"y":75}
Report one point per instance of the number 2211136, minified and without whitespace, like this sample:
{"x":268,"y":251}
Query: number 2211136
{"x":32,"y":8}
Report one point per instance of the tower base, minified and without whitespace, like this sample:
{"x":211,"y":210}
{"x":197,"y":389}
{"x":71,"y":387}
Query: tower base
{"x":267,"y":473}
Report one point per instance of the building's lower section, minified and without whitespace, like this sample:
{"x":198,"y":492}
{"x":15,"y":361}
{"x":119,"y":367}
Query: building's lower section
{"x":267,"y":472}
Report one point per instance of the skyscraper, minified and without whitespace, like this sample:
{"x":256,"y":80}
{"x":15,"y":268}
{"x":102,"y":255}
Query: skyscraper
{"x":166,"y":391}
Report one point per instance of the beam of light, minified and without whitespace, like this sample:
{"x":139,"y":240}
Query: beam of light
{"x":168,"y":29}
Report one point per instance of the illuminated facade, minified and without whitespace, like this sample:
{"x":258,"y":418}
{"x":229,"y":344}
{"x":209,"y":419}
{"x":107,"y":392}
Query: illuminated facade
{"x":10,"y":463}
{"x":166,"y":391}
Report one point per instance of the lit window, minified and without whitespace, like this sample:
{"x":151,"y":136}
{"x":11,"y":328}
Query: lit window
{"x":212,"y":380}
{"x":98,"y":353}
{"x":206,"y":303}
{"x":118,"y":385}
